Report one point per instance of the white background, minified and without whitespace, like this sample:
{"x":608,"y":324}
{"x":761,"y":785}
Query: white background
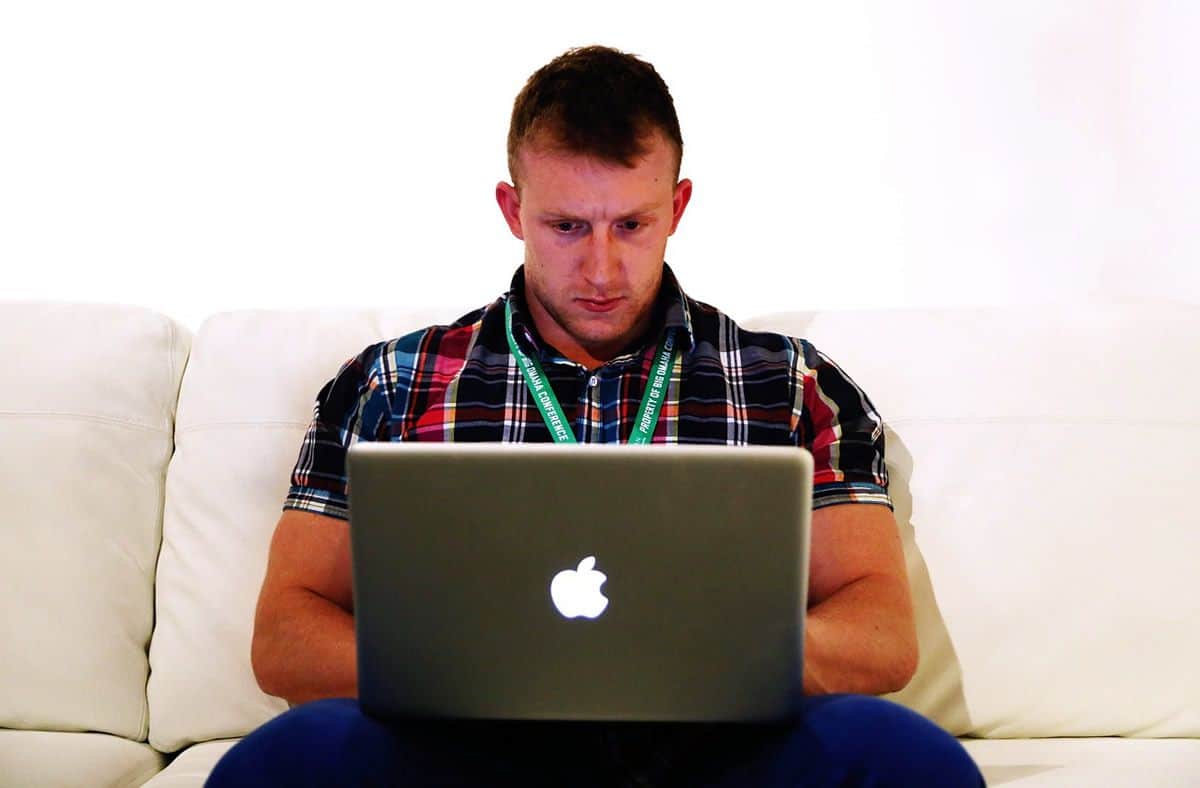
{"x":197,"y":157}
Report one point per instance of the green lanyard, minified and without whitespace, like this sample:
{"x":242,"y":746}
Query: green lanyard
{"x":552,"y":414}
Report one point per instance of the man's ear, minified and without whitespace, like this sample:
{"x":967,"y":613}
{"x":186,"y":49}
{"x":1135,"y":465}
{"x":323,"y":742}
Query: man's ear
{"x":510,"y":205}
{"x":683,"y":195}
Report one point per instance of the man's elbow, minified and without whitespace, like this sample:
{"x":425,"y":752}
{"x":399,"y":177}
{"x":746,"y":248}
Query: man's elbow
{"x":904,"y":652}
{"x":263,"y":659}
{"x":902,"y":665}
{"x":261,"y":665}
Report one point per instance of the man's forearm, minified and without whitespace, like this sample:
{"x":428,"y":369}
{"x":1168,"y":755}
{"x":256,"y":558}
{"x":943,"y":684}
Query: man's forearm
{"x":304,"y":650}
{"x":861,"y":639}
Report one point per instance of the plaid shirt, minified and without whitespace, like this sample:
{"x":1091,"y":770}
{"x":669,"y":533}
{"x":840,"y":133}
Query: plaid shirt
{"x":729,"y":386}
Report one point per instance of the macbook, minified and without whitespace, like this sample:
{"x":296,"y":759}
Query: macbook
{"x":585,"y":582}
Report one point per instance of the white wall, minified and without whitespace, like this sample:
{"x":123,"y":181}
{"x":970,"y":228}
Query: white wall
{"x":207,"y":156}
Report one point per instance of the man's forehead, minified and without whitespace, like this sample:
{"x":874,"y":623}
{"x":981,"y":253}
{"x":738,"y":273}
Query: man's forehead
{"x":581,"y":199}
{"x":571,"y":183}
{"x":542,"y":158}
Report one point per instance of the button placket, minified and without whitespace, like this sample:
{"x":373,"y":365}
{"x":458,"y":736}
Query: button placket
{"x":591,"y":399}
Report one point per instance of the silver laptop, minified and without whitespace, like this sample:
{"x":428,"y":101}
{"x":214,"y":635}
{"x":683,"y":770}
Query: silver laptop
{"x":586,"y":582}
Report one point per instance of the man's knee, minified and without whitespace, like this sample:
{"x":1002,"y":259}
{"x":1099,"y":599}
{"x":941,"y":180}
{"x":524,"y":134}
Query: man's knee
{"x":884,"y":743}
{"x":326,"y":742}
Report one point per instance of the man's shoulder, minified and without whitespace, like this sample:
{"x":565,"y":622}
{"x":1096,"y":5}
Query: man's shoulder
{"x":393,"y":361}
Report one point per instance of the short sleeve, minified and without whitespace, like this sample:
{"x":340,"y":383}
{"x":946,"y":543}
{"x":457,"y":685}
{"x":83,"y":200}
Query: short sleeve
{"x":353,"y":406}
{"x":835,"y":420}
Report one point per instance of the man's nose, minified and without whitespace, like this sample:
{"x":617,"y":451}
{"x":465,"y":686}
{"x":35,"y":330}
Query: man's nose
{"x":601,"y":258}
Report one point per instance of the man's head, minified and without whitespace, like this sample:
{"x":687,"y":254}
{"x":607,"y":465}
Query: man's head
{"x":594,"y":152}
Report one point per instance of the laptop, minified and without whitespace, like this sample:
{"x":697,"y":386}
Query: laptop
{"x":586,"y":582}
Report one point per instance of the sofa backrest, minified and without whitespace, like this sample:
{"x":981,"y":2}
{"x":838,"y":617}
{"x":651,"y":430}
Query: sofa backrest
{"x":87,"y":404}
{"x":1045,"y":460}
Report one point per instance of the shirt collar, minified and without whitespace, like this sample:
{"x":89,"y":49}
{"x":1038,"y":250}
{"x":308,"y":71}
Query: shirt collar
{"x":671,"y":310}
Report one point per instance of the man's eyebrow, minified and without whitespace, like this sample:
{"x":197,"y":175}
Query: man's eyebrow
{"x":555,"y":213}
{"x":647,"y":208}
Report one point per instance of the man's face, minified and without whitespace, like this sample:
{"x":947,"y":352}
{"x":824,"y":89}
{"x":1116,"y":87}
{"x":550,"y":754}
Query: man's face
{"x":595,"y":234}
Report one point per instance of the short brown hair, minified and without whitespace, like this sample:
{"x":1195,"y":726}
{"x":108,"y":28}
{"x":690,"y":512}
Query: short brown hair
{"x":596,"y":101}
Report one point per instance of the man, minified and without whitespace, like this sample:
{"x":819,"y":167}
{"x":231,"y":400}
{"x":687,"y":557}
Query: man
{"x":594,"y":155}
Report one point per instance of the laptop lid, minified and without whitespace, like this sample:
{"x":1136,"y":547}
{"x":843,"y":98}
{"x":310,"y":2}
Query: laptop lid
{"x":590,"y":582}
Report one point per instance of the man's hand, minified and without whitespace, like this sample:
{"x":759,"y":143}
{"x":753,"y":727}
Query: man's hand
{"x":859,"y":635}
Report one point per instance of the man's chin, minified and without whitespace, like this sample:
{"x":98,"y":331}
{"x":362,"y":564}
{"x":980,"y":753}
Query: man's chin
{"x":603,"y":334}
{"x":604,"y":344}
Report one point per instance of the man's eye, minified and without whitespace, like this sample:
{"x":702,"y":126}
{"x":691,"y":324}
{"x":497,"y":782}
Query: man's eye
{"x":565,"y":227}
{"x":630,"y":224}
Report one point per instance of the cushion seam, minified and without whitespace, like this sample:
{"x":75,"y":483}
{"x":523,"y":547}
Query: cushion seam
{"x":86,"y":417}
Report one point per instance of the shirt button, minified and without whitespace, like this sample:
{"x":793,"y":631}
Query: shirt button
{"x":593,"y":381}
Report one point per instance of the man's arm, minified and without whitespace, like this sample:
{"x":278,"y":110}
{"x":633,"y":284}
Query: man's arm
{"x":859,"y":635}
{"x":303,"y":647}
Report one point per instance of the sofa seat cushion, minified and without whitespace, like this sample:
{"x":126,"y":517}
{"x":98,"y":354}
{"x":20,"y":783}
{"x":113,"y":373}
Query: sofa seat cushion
{"x":55,"y":759}
{"x":192,"y":766}
{"x":1108,"y":761}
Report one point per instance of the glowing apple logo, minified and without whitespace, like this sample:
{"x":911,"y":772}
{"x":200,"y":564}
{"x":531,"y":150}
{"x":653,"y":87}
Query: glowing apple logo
{"x":576,"y":592}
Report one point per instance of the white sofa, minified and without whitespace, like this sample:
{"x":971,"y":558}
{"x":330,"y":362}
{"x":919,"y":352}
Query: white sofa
{"x":1044,"y":466}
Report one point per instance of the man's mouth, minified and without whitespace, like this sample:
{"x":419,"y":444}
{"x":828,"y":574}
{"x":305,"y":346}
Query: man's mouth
{"x":599,"y":304}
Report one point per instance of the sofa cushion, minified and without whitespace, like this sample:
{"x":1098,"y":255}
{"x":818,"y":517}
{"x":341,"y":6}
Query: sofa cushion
{"x":245,"y":404}
{"x":86,"y":419}
{"x":192,"y":766}
{"x":55,"y":759}
{"x":1043,"y":460}
{"x":1104,"y":761}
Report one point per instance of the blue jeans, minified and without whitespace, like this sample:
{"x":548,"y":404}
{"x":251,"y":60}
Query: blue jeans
{"x":841,"y":740}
